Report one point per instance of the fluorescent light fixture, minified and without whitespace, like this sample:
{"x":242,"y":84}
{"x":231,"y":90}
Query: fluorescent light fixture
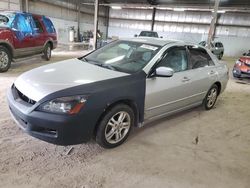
{"x":179,"y":9}
{"x":116,"y":7}
{"x":220,"y":11}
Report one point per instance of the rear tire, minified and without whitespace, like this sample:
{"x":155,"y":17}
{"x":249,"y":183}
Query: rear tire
{"x":211,"y":97}
{"x":236,"y":75}
{"x":220,"y":56}
{"x":115,"y":126}
{"x":5,"y":59}
{"x":47,"y":52}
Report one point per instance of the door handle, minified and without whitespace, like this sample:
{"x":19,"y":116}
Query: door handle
{"x":212,"y":72}
{"x":185,"y":79}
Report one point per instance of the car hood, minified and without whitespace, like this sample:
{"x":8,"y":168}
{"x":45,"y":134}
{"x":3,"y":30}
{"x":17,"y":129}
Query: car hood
{"x":245,"y":59}
{"x":45,"y":80}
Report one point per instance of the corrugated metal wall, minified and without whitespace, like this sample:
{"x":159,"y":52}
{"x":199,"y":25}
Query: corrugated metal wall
{"x":189,"y":25}
{"x":65,"y":17}
{"x":10,"y":5}
{"x":229,"y":24}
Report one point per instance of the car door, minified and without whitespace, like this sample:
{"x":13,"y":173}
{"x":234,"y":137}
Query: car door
{"x":39,"y":33}
{"x":165,"y":95}
{"x":202,"y":73}
{"x":24,"y":40}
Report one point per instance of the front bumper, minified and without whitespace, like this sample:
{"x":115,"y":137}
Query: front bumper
{"x":53,"y":128}
{"x":239,"y":73}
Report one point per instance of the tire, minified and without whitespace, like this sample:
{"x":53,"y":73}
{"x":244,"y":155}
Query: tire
{"x":211,"y":97}
{"x":220,"y":56}
{"x":5,"y":59}
{"x":47,"y":52}
{"x":112,"y":133}
{"x":236,"y":75}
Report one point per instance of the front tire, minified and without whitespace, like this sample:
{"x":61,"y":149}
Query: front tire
{"x":47,"y":52}
{"x":5,"y":59}
{"x":115,"y":126}
{"x":211,"y":97}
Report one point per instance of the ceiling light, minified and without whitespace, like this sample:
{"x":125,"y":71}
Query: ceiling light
{"x":179,"y":9}
{"x":220,"y":11}
{"x":116,"y":7}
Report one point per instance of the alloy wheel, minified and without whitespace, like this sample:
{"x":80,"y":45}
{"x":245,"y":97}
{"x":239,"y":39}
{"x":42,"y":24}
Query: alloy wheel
{"x":211,"y":98}
{"x":4,"y":59}
{"x":117,"y":127}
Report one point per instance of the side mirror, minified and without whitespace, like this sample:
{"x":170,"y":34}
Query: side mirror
{"x":161,"y":37}
{"x":135,"y":35}
{"x":164,"y":72}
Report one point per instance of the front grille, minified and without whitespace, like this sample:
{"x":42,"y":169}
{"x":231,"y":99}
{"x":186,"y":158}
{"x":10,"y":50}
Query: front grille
{"x":24,"y":97}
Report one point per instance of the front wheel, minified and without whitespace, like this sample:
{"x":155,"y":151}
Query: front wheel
{"x":115,"y":126}
{"x":5,"y":59}
{"x":47,"y":52}
{"x":211,"y":97}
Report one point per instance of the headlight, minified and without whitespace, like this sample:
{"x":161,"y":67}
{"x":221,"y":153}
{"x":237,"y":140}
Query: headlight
{"x":238,"y":62}
{"x":65,"y":105}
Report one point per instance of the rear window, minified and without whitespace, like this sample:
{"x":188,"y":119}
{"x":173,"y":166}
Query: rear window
{"x":199,"y":57}
{"x":148,"y":34}
{"x":48,"y":25}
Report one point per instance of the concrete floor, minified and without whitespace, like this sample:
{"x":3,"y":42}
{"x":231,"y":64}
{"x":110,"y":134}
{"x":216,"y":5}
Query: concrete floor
{"x":163,"y":154}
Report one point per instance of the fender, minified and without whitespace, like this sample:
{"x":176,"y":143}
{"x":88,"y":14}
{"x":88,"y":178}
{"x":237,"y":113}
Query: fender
{"x":8,"y":44}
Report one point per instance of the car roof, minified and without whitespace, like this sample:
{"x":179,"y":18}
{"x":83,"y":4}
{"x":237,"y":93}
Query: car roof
{"x":153,"y":41}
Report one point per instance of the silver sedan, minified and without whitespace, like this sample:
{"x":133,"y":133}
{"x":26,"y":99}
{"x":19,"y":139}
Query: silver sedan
{"x":104,"y":94}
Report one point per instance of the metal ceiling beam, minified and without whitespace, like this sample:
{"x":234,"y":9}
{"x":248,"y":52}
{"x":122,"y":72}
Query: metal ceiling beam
{"x":213,"y":24}
{"x":96,"y":23}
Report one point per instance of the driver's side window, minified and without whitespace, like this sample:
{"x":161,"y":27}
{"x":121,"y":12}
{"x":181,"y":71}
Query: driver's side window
{"x":176,"y":59}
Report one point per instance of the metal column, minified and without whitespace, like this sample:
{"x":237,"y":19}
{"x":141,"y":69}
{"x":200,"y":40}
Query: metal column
{"x":78,"y":6}
{"x":26,"y":5}
{"x":153,"y":19}
{"x":213,"y":24}
{"x":107,"y":22}
{"x":96,"y":23}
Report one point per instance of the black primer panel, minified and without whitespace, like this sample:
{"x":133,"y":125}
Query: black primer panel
{"x":103,"y":93}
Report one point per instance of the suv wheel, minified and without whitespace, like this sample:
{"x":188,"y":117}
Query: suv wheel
{"x":115,"y":126}
{"x":211,"y":97}
{"x":47,"y":52}
{"x":220,"y":56}
{"x":5,"y":59}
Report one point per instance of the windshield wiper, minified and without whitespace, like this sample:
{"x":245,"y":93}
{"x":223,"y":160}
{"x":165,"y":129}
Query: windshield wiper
{"x":105,"y":66}
{"x":84,"y":59}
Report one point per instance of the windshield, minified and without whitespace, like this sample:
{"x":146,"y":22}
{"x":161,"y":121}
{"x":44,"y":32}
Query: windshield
{"x":6,"y":19}
{"x":123,"y":56}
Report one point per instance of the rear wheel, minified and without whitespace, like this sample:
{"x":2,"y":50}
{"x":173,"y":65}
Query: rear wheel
{"x":115,"y":126}
{"x":220,"y":56}
{"x":47,"y":52}
{"x":5,"y":59}
{"x":211,"y":97}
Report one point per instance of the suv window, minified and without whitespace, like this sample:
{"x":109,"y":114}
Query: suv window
{"x":199,"y":57}
{"x":176,"y":59}
{"x":38,"y":26}
{"x":48,"y":25}
{"x":23,"y":26}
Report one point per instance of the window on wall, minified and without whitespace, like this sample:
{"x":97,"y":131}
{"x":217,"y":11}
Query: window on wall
{"x":199,"y":57}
